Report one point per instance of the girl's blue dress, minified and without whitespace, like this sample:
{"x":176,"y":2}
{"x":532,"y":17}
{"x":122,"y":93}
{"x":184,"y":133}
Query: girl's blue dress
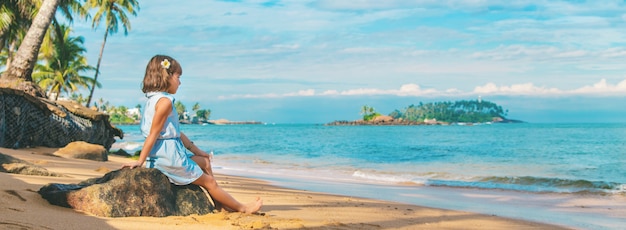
{"x":168,"y":153}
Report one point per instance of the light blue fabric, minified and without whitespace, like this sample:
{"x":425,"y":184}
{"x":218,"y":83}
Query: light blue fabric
{"x":168,"y":153}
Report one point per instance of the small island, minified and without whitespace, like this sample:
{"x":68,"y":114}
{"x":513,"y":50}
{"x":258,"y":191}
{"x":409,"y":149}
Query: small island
{"x":464,"y":112}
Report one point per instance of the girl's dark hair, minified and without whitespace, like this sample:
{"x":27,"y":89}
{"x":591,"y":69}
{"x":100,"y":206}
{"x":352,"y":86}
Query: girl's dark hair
{"x":158,"y":73}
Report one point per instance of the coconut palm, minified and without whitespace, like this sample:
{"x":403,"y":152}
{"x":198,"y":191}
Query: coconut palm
{"x":114,"y":13}
{"x":67,"y":8}
{"x":195,"y":107}
{"x":62,"y":70}
{"x":28,"y":21}
{"x":18,"y":73}
{"x":180,"y":109}
{"x":15,"y":18}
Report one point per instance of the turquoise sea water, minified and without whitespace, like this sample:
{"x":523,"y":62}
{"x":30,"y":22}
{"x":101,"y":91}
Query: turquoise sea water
{"x":405,"y":162}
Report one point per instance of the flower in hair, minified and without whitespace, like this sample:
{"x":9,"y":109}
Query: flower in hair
{"x":165,"y":63}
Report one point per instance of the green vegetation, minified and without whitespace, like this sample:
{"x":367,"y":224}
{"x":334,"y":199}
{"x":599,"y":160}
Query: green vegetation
{"x":472,"y":111}
{"x":114,"y":14}
{"x":45,"y":53}
{"x":59,"y":65}
{"x":202,"y":115}
{"x":125,"y":115}
{"x":368,"y":113}
{"x":62,"y":64}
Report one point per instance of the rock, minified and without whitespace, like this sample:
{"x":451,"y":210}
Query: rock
{"x":6,"y":159}
{"x":11,"y":164}
{"x":430,"y":121}
{"x":83,"y":150}
{"x":120,"y":152}
{"x":130,"y":192}
{"x":383,"y":118}
{"x":28,"y":169}
{"x":383,"y":121}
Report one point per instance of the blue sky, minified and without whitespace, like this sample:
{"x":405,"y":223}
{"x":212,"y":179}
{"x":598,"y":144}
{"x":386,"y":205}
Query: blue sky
{"x":315,"y":61}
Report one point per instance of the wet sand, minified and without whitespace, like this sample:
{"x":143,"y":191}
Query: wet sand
{"x":23,"y":208}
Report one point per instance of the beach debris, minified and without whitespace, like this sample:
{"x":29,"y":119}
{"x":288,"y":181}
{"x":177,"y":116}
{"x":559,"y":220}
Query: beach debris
{"x":130,"y":192}
{"x":83,"y":150}
{"x":103,"y":169}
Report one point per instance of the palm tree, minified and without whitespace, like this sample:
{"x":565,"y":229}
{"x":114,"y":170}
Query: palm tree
{"x":365,"y":110}
{"x":114,"y":12}
{"x":67,"y":8}
{"x":180,"y":109}
{"x":18,"y":73}
{"x":17,"y":16}
{"x":63,"y":68}
{"x":203,"y":114}
{"x":195,"y":107}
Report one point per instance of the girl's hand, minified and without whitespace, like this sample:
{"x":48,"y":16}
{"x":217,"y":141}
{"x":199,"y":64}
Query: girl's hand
{"x":132,"y":165}
{"x":202,"y":153}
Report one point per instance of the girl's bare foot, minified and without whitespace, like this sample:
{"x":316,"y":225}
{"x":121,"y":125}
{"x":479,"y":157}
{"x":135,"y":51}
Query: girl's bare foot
{"x":218,"y":206}
{"x":254,"y":206}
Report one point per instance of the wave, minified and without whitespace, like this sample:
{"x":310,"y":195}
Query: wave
{"x":524,"y":183}
{"x":127,"y":146}
{"x":388,"y":178}
{"x":537,"y":184}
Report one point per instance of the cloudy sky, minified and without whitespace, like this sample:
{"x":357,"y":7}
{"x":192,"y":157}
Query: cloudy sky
{"x":315,"y":61}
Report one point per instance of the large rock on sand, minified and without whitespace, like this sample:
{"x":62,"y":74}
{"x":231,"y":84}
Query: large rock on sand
{"x":11,"y":164}
{"x":130,"y":192}
{"x":83,"y":150}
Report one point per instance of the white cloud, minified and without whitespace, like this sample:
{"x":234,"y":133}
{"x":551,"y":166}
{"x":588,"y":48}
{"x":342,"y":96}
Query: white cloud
{"x":304,"y":93}
{"x":373,"y":47}
{"x":601,"y":88}
{"x":515,"y":89}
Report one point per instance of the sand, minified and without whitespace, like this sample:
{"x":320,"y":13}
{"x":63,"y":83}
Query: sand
{"x":21,"y":207}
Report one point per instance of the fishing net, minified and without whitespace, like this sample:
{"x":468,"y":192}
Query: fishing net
{"x":27,"y":121}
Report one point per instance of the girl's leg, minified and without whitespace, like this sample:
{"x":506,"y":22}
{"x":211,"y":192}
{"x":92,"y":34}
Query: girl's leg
{"x":204,"y":163}
{"x":219,"y":195}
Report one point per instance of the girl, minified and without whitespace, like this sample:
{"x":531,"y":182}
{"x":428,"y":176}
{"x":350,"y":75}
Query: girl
{"x":164,"y":147}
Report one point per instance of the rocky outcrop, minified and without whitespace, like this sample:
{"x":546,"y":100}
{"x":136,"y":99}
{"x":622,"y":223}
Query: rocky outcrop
{"x":379,"y":120}
{"x":383,"y":118}
{"x":130,"y":192}
{"x":83,"y":150}
{"x":388,"y":120}
{"x":11,"y":164}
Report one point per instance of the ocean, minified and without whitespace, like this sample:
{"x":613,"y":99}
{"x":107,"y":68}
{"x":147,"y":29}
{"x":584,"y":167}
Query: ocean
{"x":536,"y":168}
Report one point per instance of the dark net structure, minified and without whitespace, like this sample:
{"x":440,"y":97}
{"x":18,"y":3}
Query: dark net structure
{"x":28,"y":121}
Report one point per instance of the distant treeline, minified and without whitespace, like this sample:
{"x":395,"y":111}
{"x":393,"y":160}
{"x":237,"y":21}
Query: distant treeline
{"x":458,"y":111}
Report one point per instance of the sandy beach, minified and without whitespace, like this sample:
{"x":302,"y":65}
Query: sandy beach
{"x":23,"y":208}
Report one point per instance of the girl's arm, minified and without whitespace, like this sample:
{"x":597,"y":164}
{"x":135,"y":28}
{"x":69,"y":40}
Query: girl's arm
{"x":191,"y":146}
{"x":200,"y":157}
{"x":162,"y":109}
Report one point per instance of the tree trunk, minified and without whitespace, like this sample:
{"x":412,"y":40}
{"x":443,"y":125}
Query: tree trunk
{"x":95,"y":78}
{"x":10,"y":54}
{"x":18,"y":75}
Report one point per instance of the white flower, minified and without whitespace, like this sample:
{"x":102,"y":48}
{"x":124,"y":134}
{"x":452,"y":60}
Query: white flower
{"x":165,"y":63}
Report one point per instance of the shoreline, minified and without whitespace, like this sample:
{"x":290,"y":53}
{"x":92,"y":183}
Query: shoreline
{"x":284,"y":208}
{"x":571,"y":210}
